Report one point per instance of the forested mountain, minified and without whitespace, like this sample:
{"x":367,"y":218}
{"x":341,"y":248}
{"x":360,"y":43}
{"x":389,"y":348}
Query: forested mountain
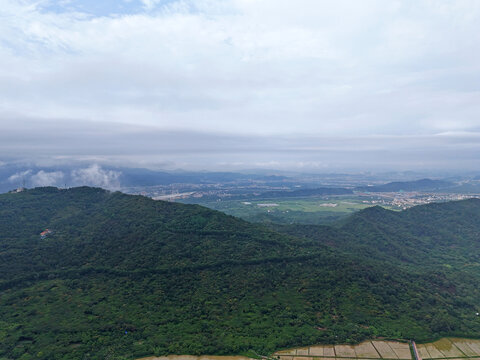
{"x":124,"y":276}
{"x":434,"y":234}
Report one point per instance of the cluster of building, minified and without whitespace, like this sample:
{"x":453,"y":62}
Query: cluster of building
{"x":45,"y":233}
{"x":406,"y":200}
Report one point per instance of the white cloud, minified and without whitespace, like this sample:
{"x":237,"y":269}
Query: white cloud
{"x":19,"y":176}
{"x":150,"y":4}
{"x":96,"y":176}
{"x":44,"y":178}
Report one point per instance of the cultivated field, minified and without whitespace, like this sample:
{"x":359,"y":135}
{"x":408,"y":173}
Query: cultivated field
{"x":447,"y":348}
{"x":450,"y":348}
{"x":313,"y":210}
{"x":192,"y":357}
{"x":365,"y":350}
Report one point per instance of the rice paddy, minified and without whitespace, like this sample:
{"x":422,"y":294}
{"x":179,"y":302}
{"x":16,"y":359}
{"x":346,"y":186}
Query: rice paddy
{"x":447,"y":348}
{"x":450,"y":348}
{"x":365,"y":350}
{"x":193,"y":357}
{"x":443,"y":349}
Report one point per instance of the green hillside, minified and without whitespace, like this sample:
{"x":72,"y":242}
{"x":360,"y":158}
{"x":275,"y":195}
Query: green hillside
{"x":423,"y":236}
{"x":124,"y":276}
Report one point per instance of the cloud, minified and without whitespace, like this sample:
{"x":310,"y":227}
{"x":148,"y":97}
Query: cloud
{"x":107,"y":144}
{"x":44,"y":178}
{"x":150,"y":4}
{"x":204,"y":82}
{"x":96,"y":176}
{"x":238,"y":66}
{"x":40,"y":178}
{"x":19,"y":176}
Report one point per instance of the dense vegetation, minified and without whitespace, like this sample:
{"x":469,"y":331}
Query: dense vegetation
{"x":124,"y":276}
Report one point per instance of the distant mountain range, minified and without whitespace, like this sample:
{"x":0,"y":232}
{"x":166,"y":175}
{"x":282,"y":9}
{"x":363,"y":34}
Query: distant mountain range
{"x":119,"y":276}
{"x":15,"y":176}
{"x":417,"y":185}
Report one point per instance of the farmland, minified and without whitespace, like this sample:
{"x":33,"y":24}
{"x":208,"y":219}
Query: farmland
{"x":193,"y":357}
{"x":446,"y":348}
{"x":364,"y":350}
{"x":308,"y":210}
{"x":450,"y":348}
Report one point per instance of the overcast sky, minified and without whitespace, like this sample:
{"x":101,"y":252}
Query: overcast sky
{"x":242,"y":83}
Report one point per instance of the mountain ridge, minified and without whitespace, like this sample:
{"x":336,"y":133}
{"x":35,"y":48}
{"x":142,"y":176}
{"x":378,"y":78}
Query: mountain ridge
{"x":415,"y":185}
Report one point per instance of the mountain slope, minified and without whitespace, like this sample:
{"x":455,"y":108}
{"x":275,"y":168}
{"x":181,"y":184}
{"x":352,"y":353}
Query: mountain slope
{"x":124,"y":276}
{"x":427,"y":235}
{"x":94,"y":228}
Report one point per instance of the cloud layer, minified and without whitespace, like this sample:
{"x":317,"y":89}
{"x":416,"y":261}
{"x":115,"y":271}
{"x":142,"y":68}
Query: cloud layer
{"x":275,"y":70}
{"x":49,"y":143}
{"x":93,"y":175}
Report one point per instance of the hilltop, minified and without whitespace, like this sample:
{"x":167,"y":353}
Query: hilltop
{"x":435,"y":234}
{"x":125,"y":276}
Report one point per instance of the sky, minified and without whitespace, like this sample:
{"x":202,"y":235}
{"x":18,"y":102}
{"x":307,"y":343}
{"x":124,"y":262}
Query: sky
{"x":230,"y":84}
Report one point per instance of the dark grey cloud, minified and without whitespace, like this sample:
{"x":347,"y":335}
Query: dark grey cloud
{"x":110,"y":143}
